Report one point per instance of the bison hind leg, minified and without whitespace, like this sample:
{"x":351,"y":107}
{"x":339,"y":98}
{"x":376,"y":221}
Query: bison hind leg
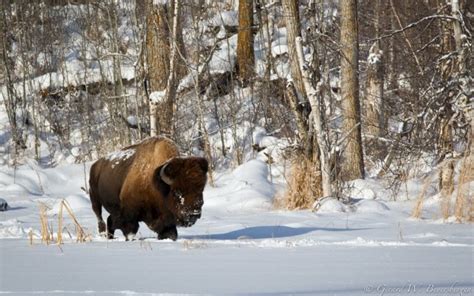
{"x":112,"y":224}
{"x":97,"y":208}
{"x":168,"y":232}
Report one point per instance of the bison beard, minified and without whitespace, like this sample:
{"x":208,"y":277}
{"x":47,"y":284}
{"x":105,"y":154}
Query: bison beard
{"x":148,"y":182}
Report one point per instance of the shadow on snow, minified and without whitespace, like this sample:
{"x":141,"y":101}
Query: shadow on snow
{"x":261,"y":232}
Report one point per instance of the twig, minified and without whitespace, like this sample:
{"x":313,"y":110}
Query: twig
{"x":403,"y":29}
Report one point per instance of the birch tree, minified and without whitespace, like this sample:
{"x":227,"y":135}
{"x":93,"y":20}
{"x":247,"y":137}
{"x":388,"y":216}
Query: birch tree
{"x":295,"y":88}
{"x":374,"y":106}
{"x":166,"y":124}
{"x":299,"y":90}
{"x":317,"y":122}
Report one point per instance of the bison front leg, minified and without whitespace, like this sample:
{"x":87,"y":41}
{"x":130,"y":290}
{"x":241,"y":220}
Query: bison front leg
{"x":168,"y":232}
{"x":101,"y":227}
{"x":130,"y":229}
{"x":164,"y":228}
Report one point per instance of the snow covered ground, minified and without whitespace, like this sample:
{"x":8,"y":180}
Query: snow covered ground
{"x":241,"y":245}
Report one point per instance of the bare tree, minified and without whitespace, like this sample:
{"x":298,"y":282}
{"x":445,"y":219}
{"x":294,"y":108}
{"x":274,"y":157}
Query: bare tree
{"x":353,"y":161}
{"x":157,"y":61}
{"x":317,"y":121}
{"x":375,"y":121}
{"x":310,"y":131}
{"x":245,"y":54}
{"x":451,"y":71}
{"x":293,"y":28}
{"x":172,"y":82}
{"x":374,"y":105}
{"x":14,"y":104}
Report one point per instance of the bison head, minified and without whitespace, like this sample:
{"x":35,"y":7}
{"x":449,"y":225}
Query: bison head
{"x":181,"y":181}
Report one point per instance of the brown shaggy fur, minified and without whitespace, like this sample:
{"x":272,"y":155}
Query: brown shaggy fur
{"x":129,"y":186}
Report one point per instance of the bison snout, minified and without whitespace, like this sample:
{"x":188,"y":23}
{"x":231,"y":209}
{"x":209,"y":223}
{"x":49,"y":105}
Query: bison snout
{"x":189,"y":218}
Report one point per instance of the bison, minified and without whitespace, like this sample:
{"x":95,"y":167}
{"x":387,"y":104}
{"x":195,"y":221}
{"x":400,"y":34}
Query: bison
{"x":148,"y":182}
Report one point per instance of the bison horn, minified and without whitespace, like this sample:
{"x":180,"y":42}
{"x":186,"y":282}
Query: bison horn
{"x":164,"y":177}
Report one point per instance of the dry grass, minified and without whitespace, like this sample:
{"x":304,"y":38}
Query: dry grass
{"x":46,"y":229}
{"x":194,"y":244}
{"x":464,"y":206}
{"x":60,"y":224}
{"x":417,"y":211}
{"x":47,"y":233}
{"x":303,"y":186}
{"x":81,"y":235}
{"x":146,"y":245}
{"x":30,"y":236}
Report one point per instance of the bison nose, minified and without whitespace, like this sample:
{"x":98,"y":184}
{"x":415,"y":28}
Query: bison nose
{"x":194,"y":215}
{"x":200,"y":203}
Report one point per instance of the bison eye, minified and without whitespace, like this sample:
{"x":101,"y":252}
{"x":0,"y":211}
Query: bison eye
{"x":179,"y":196}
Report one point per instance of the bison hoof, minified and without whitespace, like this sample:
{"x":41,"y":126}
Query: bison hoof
{"x":169,"y":232}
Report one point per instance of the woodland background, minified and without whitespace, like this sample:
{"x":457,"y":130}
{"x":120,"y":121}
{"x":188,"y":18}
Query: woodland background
{"x":348,"y":89}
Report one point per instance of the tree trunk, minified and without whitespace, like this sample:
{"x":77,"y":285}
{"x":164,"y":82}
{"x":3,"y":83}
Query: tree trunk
{"x":120,"y":103}
{"x":446,"y":45}
{"x":374,"y":107}
{"x":245,"y":54}
{"x":353,"y":161}
{"x":157,"y":60}
{"x":317,"y":122}
{"x":389,"y":50}
{"x":446,"y":185}
{"x":300,"y":118}
{"x":157,"y":46}
{"x":166,"y":124}
{"x":293,"y":29}
{"x":295,"y":90}
{"x":310,"y":128}
{"x":375,"y":124}
{"x":181,"y":67}
{"x":455,"y":11}
{"x":12,"y":101}
{"x":448,"y":72}
{"x":456,"y":24}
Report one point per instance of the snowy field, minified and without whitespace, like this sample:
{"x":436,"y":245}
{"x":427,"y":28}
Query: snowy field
{"x":241,"y":245}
